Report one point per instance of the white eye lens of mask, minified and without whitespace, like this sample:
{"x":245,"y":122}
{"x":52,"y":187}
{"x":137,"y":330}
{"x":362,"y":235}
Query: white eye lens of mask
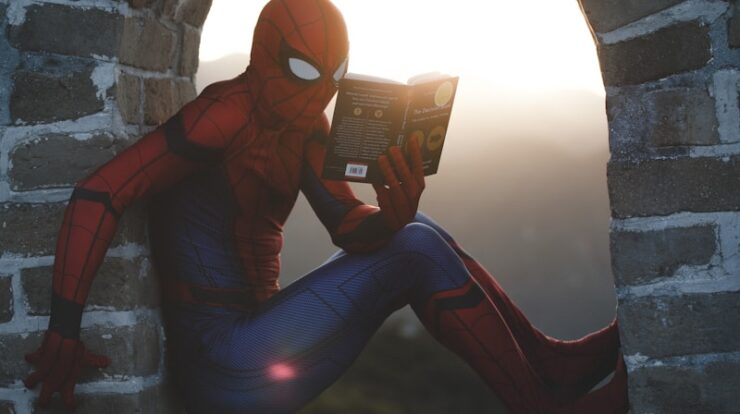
{"x":341,"y":70}
{"x":303,"y":69}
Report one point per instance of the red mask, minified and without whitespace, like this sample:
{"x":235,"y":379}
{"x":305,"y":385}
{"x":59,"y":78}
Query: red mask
{"x":299,"y":54}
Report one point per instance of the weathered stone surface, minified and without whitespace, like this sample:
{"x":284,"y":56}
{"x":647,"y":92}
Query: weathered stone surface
{"x":128,"y":91}
{"x":662,"y":187}
{"x":667,"y":326}
{"x":708,"y":389}
{"x":189,"y":52}
{"x":120,"y":283}
{"x":7,"y":407}
{"x":193,"y":12}
{"x":6,"y":298}
{"x":675,"y":49}
{"x":641,"y":256}
{"x":138,"y":4}
{"x":734,"y":28}
{"x":147,"y":44}
{"x":48,"y":89}
{"x":164,"y":97}
{"x":639,"y":119}
{"x":31,"y":229}
{"x":153,"y":400}
{"x":607,"y":15}
{"x":68,"y":30}
{"x":134,"y":351}
{"x":58,"y":160}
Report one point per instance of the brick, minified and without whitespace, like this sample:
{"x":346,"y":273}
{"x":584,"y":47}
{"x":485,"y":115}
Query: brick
{"x":164,"y":97}
{"x":121,"y":284}
{"x":734,"y":28}
{"x":159,"y":52}
{"x":59,"y":160}
{"x":128,"y":92}
{"x":640,"y":120}
{"x":49,"y":89}
{"x":607,"y":15}
{"x":157,"y":399}
{"x":134,"y":351}
{"x":667,"y":326}
{"x":711,"y":388}
{"x":189,"y":52}
{"x":7,"y":407}
{"x":68,"y":31}
{"x":6,"y":298}
{"x":31,"y":229}
{"x":675,"y":49}
{"x":193,"y":12}
{"x":661,"y":187}
{"x":642,"y":256}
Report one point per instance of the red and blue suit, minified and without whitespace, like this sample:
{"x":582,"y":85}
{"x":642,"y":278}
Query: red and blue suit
{"x":221,"y":178}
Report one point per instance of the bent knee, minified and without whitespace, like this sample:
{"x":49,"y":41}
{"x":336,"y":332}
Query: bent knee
{"x":418,"y":237}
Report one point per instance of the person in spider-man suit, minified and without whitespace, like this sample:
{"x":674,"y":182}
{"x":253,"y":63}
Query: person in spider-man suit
{"x":222,"y":175}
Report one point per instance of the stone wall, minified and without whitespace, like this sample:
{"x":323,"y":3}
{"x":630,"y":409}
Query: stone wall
{"x":672,"y":74}
{"x":79,"y":81}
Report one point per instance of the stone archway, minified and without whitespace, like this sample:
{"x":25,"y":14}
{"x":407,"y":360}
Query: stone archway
{"x":84,"y":78}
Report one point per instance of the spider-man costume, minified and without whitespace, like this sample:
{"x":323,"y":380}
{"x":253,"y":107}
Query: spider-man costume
{"x":222,"y":176}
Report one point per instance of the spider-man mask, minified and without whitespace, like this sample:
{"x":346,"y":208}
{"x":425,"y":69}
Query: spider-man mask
{"x":298,"y":56}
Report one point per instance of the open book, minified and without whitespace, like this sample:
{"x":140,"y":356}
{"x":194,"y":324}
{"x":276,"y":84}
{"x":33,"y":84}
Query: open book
{"x":373,"y":114}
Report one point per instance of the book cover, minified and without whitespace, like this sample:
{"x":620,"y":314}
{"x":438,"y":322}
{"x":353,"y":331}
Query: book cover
{"x":372,"y":114}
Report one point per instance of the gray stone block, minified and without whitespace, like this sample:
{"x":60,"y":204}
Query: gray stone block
{"x":675,"y":49}
{"x":607,"y":15}
{"x":31,"y":229}
{"x":68,"y":30}
{"x":193,"y":12}
{"x":128,"y":91}
{"x":133,"y":350}
{"x":190,"y":51}
{"x":49,"y":89}
{"x":641,"y":257}
{"x":158,"y":399}
{"x":119,"y":284}
{"x":58,"y":160}
{"x":668,"y":326}
{"x":159,"y":52}
{"x":7,"y":407}
{"x":734,"y":28}
{"x":644,"y":188}
{"x":708,"y":389}
{"x":6,"y":298}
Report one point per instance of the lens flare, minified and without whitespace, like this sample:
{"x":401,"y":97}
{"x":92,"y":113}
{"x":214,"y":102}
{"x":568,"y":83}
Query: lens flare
{"x":281,"y":372}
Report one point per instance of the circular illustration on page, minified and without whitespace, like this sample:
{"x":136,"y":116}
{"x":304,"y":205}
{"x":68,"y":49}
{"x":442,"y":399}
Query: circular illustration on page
{"x":436,"y":138}
{"x":444,"y":94}
{"x":378,"y":113}
{"x":357,"y":111}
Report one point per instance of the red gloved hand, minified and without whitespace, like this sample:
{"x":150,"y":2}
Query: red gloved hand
{"x":398,"y":200}
{"x":58,"y":363}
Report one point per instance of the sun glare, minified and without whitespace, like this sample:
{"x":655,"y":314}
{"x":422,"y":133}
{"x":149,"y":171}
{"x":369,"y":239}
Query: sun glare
{"x":535,"y":46}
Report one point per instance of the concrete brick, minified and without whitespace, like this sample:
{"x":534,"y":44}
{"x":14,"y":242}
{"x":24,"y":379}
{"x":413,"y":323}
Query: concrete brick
{"x":734,"y":28}
{"x":58,"y":160}
{"x":667,"y":326}
{"x":640,"y":257}
{"x":189,"y":52}
{"x":708,"y":389}
{"x":7,"y":407}
{"x":639,"y":119}
{"x":120,"y":283}
{"x":128,"y":92}
{"x":134,"y":351}
{"x":68,"y":30}
{"x":661,"y":187}
{"x":159,"y":52}
{"x":607,"y":15}
{"x":164,"y":97}
{"x":158,"y":399}
{"x":49,"y":89}
{"x":679,"y":48}
{"x":6,"y":298}
{"x":193,"y":12}
{"x":31,"y":229}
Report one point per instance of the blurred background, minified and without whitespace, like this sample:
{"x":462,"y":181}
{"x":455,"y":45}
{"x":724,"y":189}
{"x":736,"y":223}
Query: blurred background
{"x":521,"y":184}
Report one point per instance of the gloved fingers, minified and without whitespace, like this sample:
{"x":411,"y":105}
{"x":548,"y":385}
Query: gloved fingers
{"x":68,"y":387}
{"x":45,"y":395}
{"x":389,"y":176}
{"x":386,"y":206}
{"x":410,"y":185}
{"x":34,"y":357}
{"x":417,"y":166}
{"x":68,"y":395}
{"x":95,"y":360}
{"x":32,"y":380}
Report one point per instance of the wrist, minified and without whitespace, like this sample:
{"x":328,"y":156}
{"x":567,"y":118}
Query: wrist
{"x":66,"y":316}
